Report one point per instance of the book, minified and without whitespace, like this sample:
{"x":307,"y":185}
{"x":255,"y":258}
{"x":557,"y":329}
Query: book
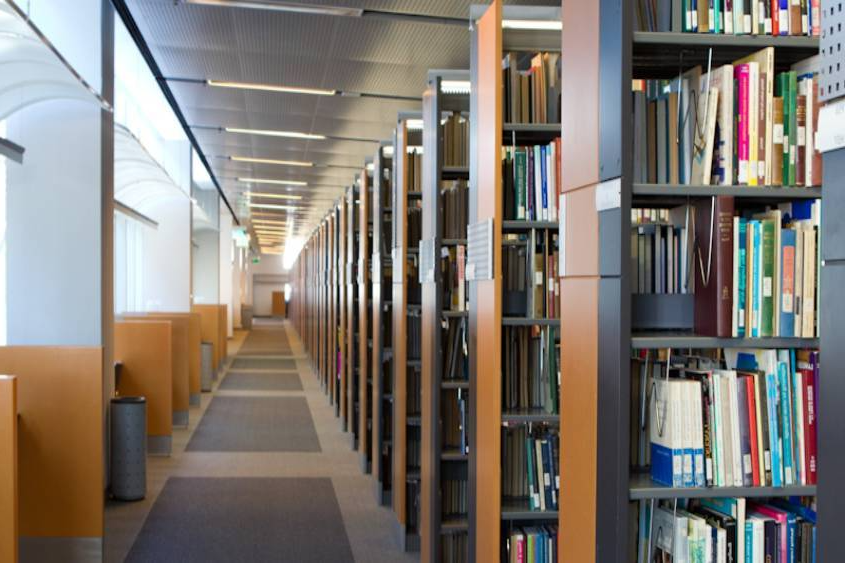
{"x":714,"y":267}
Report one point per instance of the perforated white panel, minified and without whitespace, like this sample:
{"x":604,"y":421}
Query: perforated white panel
{"x":832,"y":83}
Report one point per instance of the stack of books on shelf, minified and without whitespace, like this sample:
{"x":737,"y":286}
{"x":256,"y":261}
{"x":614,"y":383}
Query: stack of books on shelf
{"x":454,"y":498}
{"x":531,"y":181}
{"x":453,"y":270}
{"x":530,"y":284}
{"x":740,"y":124}
{"x":530,"y":369}
{"x":456,"y":140}
{"x":733,"y":17}
{"x":660,"y":250}
{"x":455,"y":194}
{"x":531,"y":466}
{"x":532,"y":87}
{"x":763,"y":270}
{"x":455,"y":358}
{"x":728,"y":529}
{"x":455,"y":420}
{"x":413,"y":169}
{"x":454,"y":548}
{"x":745,"y":420}
{"x":535,"y":544}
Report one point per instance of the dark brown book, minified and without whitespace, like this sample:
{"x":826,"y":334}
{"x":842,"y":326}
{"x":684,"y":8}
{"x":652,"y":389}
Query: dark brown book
{"x":777,"y":141}
{"x":713,"y":262}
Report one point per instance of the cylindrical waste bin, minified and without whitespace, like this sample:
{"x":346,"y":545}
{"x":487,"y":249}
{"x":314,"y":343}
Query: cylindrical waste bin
{"x":206,"y":366}
{"x":246,"y":317}
{"x":129,"y":448}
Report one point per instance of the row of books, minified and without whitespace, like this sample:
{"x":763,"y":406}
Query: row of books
{"x":413,"y":169}
{"x":455,"y":356}
{"x":530,"y":369}
{"x":414,"y":404}
{"x":456,"y":140}
{"x":751,"y":422}
{"x":532,"y":84}
{"x":413,"y":328}
{"x":530,"y":466}
{"x":453,"y":497}
{"x":455,"y":194}
{"x":453,"y":270}
{"x":414,"y":449}
{"x":660,"y":251}
{"x":728,"y":529}
{"x":455,"y":402}
{"x":454,"y":548}
{"x":535,"y":544}
{"x":733,"y":17}
{"x":740,"y":124}
{"x":531,"y":287}
{"x":764,"y":270}
{"x":531,"y":181}
{"x":414,"y":225}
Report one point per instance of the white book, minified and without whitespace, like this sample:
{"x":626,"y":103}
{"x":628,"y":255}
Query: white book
{"x":799,"y":282}
{"x":687,"y":433}
{"x":694,"y":393}
{"x":735,"y":441}
{"x":809,"y":289}
{"x":798,"y":418}
{"x":721,"y":545}
{"x":718,"y":442}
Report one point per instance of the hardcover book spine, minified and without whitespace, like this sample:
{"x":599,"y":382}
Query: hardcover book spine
{"x":810,"y":425}
{"x":786,"y":422}
{"x":743,"y":76}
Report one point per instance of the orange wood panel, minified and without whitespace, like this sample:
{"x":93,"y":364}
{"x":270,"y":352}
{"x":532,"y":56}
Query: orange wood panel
{"x":580,"y":96}
{"x":488,"y":371}
{"x":145,"y":349}
{"x":8,"y":468}
{"x":363,"y":313}
{"x":578,"y":404}
{"x":223,"y":324}
{"x":582,"y":232}
{"x":400,"y":328}
{"x":180,"y":343}
{"x":209,"y":331}
{"x":278,"y":304}
{"x":60,"y":439}
{"x":341,"y":271}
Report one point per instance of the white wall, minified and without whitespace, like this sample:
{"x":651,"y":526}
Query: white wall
{"x":206,"y":265}
{"x":226,"y":247}
{"x":54,"y":227}
{"x":266,"y":277}
{"x":167,"y":256}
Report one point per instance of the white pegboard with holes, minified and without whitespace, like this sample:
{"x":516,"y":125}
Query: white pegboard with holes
{"x":832,"y":46}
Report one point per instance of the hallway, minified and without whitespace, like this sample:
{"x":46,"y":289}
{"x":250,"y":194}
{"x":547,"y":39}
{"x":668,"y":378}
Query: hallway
{"x":262,"y":473}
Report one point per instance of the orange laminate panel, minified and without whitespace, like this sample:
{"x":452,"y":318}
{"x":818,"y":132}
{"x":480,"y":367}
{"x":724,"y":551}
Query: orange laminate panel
{"x":488,"y":371}
{"x":145,"y":350}
{"x":223,"y":327}
{"x":578,"y":407}
{"x":209,"y":331}
{"x":8,"y":468}
{"x":582,"y":232}
{"x":60,"y":439}
{"x":580,"y":96}
{"x":279,"y":304}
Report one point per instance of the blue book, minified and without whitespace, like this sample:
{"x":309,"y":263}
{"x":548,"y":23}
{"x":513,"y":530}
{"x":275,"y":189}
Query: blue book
{"x":784,"y":381}
{"x":742,"y":272}
{"x":749,"y":540}
{"x":544,"y":174}
{"x":772,"y":400}
{"x":547,"y":473}
{"x":787,"y":282}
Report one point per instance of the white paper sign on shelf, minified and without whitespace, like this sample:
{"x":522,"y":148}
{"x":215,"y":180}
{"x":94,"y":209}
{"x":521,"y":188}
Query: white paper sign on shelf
{"x":480,"y":251}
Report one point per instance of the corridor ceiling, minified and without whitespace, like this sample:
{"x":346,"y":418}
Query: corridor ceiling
{"x":194,"y":41}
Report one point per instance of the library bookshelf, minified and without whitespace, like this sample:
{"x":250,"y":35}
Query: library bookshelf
{"x":352,"y":315}
{"x":406,"y":312}
{"x":602,"y":491}
{"x":444,"y":385}
{"x":492,"y":515}
{"x":343,"y":312}
{"x":382,"y":317}
{"x":365,"y":326}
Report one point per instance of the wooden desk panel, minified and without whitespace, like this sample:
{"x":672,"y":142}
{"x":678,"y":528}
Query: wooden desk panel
{"x":8,"y":469}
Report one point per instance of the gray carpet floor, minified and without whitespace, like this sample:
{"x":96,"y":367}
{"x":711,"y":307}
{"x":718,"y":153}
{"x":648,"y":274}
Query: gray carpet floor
{"x":256,"y":424}
{"x":236,"y":520}
{"x":237,"y":381}
{"x":263,"y":363}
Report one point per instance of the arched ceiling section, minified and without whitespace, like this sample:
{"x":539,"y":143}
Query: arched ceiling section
{"x":30,"y":72}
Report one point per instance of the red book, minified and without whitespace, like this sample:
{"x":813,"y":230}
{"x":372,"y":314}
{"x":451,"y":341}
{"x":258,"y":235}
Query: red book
{"x":810,"y":445}
{"x":748,"y":381}
{"x":775,"y":17}
{"x":714,"y":271}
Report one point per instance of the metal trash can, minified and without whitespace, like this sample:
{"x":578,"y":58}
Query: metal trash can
{"x":129,"y":448}
{"x":206,"y":366}
{"x":246,"y":317}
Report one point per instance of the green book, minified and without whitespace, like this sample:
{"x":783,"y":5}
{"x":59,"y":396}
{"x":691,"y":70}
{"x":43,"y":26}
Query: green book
{"x":533,"y":493}
{"x":519,"y":184}
{"x":793,"y":124}
{"x":767,"y":310}
{"x":782,"y":91}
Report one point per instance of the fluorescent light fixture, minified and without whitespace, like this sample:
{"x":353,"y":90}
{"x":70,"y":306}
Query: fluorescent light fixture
{"x":414,"y":124}
{"x":267,"y":231}
{"x":291,"y":7}
{"x":268,"y":222}
{"x":271,"y":181}
{"x":534,"y":25}
{"x":275,"y":133}
{"x":371,"y":166}
{"x":455,"y":86}
{"x":272,"y":196}
{"x":270,"y":161}
{"x":272,"y":206}
{"x":271,"y":88}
